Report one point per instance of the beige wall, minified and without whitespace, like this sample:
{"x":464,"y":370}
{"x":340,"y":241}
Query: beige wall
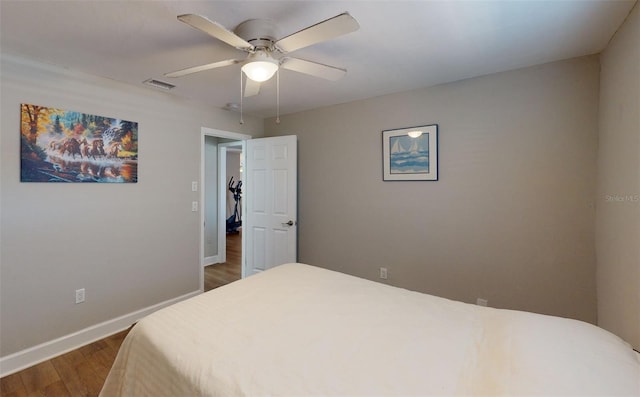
{"x":618,"y":193}
{"x":512,"y":217}
{"x":129,"y":245}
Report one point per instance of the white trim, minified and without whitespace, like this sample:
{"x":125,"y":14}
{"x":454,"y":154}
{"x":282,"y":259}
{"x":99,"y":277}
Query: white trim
{"x":222,"y":202}
{"x":26,"y":358}
{"x":210,"y":260}
{"x":243,"y":257}
{"x":225,"y":134}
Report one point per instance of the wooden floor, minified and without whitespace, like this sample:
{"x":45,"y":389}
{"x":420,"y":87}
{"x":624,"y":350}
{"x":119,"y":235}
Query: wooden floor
{"x":225,"y":273}
{"x":82,"y":372}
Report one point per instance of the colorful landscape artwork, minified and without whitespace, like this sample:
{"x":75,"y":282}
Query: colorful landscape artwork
{"x":66,"y":146}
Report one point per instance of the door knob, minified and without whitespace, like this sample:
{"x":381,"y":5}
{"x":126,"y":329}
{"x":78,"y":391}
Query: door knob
{"x":290,"y":223}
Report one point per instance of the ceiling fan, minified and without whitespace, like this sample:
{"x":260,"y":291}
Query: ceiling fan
{"x":267,"y":53}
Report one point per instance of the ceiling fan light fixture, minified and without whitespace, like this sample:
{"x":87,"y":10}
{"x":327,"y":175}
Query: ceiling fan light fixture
{"x":260,"y":67}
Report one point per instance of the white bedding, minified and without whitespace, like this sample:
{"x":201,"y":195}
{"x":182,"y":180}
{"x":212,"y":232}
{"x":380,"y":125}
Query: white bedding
{"x":298,"y":330}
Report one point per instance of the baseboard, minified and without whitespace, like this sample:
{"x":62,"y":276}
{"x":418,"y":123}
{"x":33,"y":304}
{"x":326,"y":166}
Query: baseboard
{"x":210,"y":260}
{"x":26,"y":358}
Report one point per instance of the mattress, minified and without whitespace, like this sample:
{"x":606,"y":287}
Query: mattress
{"x":299,"y":330}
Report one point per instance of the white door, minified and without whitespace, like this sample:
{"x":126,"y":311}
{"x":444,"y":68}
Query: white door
{"x":270,"y":226}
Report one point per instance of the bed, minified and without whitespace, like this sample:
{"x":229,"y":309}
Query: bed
{"x":299,"y":330}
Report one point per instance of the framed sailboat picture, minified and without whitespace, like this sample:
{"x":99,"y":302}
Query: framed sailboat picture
{"x":410,"y":154}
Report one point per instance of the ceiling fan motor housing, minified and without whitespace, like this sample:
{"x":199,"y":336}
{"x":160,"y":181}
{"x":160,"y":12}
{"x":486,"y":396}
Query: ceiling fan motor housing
{"x":262,"y":33}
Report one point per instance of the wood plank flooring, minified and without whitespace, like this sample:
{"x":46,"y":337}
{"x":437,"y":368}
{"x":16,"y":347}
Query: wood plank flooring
{"x":82,"y":372}
{"x":229,"y":271}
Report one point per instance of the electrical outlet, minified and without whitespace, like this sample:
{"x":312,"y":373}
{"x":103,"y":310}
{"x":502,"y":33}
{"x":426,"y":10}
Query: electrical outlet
{"x":194,"y":186}
{"x":194,"y":206}
{"x":481,"y":302}
{"x":80,"y":295}
{"x":383,"y":273}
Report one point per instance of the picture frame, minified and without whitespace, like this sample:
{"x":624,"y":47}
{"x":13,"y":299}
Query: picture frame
{"x":58,"y":145}
{"x":410,"y":154}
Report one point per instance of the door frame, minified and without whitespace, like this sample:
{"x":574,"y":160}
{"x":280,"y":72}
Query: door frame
{"x":223,"y":148}
{"x":204,"y":132}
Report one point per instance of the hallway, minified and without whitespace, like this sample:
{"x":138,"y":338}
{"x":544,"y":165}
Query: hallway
{"x":220,"y":274}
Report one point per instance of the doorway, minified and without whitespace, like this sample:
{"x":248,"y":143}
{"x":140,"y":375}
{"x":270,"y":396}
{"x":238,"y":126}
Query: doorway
{"x":269,"y":215}
{"x":220,"y":260}
{"x":228,"y":267}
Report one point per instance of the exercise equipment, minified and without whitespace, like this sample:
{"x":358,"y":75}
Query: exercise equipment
{"x":234,"y":221}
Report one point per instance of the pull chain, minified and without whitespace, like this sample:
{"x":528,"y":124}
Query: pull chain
{"x":278,"y":96}
{"x":241,"y":120}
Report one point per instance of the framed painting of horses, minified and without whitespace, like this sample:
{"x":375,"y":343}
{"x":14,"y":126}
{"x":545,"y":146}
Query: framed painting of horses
{"x":66,"y":146}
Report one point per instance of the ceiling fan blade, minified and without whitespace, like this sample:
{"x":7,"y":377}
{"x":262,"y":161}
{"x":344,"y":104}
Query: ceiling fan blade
{"x":195,"y":69}
{"x":216,"y":30}
{"x":251,"y":87}
{"x":313,"y":68}
{"x":325,"y":30}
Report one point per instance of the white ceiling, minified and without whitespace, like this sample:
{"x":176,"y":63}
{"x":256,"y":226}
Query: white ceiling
{"x":401,"y":45}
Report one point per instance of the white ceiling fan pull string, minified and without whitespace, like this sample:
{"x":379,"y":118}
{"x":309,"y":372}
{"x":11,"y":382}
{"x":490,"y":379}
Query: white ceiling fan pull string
{"x":278,"y":96}
{"x":241,"y":95}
